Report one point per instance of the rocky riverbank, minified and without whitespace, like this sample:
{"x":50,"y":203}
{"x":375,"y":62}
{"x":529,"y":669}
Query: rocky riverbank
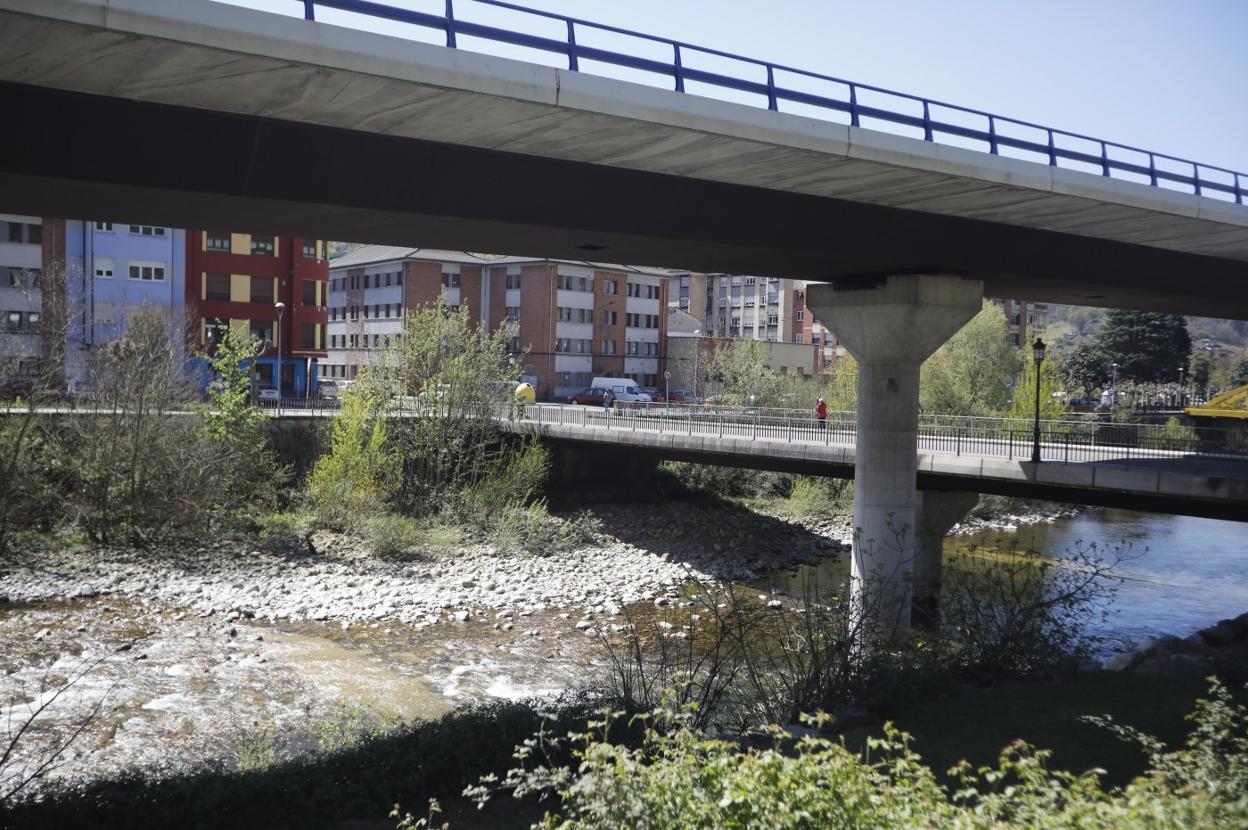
{"x":642,"y":551}
{"x":1220,"y":649}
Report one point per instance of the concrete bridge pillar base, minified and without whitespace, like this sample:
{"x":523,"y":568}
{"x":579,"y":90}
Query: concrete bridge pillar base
{"x":891,"y":327}
{"x":936,"y":512}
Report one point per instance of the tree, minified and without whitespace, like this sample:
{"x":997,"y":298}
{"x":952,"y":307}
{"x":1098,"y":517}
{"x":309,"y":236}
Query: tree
{"x":1239,"y":375}
{"x":1147,"y":346}
{"x":974,"y":372}
{"x":1051,"y":405}
{"x":357,"y":477}
{"x":1202,"y":370}
{"x":1083,"y":369}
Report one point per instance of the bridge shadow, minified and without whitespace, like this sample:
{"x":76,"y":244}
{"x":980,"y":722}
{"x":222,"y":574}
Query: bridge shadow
{"x":720,"y":538}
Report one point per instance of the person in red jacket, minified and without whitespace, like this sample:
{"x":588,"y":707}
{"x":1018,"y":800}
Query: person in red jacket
{"x":821,"y":412}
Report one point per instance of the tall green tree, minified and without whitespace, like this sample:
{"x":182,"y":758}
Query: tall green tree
{"x":1083,"y":369}
{"x":1147,"y":346}
{"x":974,"y":372}
{"x":1202,"y":370}
{"x":1051,"y":404}
{"x":1239,"y":375}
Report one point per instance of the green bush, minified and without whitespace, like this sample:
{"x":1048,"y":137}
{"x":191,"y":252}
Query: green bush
{"x":819,"y":497}
{"x":358,"y":476}
{"x":680,"y":779}
{"x":391,"y":536}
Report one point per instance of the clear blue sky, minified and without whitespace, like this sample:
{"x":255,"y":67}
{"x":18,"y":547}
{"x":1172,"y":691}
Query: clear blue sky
{"x":1165,"y":75}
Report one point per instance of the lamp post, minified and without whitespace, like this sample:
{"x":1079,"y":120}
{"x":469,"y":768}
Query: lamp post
{"x":280,"y":306}
{"x":1181,"y":389}
{"x":697,"y":347}
{"x":1037,"y":350}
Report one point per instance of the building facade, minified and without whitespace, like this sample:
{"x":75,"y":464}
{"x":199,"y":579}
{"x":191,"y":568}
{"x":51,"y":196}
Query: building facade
{"x":237,"y":280}
{"x":1024,"y":319}
{"x":111,"y":269}
{"x":572,"y":321}
{"x":690,"y":350}
{"x":21,"y":300}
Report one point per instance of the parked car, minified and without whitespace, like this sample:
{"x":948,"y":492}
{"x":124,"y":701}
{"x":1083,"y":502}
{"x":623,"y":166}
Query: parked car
{"x":268,"y":394}
{"x":656,"y":394}
{"x":14,"y":389}
{"x":328,"y":389}
{"x":588,"y":397}
{"x":682,"y":396}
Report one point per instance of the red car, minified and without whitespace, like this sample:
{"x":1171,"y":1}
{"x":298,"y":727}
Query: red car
{"x":588,"y":397}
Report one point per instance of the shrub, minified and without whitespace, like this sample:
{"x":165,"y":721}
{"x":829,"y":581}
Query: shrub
{"x":819,"y":497}
{"x":358,"y":476}
{"x":680,"y":779}
{"x":391,"y":536}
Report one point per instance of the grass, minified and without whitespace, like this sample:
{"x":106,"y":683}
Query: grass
{"x":976,"y":726}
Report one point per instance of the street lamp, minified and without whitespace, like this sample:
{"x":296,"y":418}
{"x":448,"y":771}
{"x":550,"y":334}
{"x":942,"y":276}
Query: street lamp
{"x":697,"y":343}
{"x":1037,"y":350}
{"x":1181,"y":389}
{"x":280,"y":306}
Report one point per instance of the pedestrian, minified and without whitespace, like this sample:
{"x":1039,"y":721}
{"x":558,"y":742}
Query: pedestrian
{"x":821,"y":412}
{"x":608,"y":398}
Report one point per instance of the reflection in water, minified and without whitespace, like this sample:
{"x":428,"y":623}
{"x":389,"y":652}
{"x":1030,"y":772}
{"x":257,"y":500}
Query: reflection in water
{"x":1183,"y":574}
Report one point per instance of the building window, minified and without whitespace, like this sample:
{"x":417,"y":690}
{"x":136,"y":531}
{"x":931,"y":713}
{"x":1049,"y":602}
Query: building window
{"x":513,"y":280}
{"x":575,"y":315}
{"x":309,"y":248}
{"x":568,"y":283}
{"x":450,"y":280}
{"x":513,"y":313}
{"x":262,"y":290}
{"x":610,"y":318}
{"x":309,"y":292}
{"x":513,"y":345}
{"x":608,"y":347}
{"x":104,"y":267}
{"x":147,"y":271}
{"x":216,"y":241}
{"x":217,"y":287}
{"x":262,"y":330}
{"x":214,"y":330}
{"x":147,"y":230}
{"x":262,"y":245}
{"x":610,"y":287}
{"x":799,"y":316}
{"x":104,"y":227}
{"x":308,"y":341}
{"x":388,"y":280}
{"x":631,"y":347}
{"x":797,"y":338}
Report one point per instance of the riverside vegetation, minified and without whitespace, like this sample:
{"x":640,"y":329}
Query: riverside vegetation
{"x":673,"y":730}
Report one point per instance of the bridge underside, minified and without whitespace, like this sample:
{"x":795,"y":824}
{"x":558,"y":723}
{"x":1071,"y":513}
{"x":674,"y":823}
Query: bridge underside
{"x":198,"y":168}
{"x":1231,"y":509}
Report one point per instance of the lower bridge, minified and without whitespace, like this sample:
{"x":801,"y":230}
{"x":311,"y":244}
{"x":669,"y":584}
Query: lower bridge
{"x":1165,"y":469}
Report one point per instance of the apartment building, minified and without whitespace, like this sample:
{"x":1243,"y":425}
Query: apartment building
{"x":571,"y":320}
{"x":771,"y":309}
{"x":1024,"y":319}
{"x":110,"y":270}
{"x":21,"y":302}
{"x":238,"y":280}
{"x":806,"y":329}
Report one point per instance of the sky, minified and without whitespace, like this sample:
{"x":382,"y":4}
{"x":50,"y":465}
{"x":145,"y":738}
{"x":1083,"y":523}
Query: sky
{"x":1169,"y":76}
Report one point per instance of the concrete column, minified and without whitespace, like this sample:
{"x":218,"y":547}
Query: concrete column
{"x":936,"y":512}
{"x":891,"y":326}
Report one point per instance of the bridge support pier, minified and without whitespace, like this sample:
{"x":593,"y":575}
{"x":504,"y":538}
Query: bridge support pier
{"x":891,"y":326}
{"x":937,"y":511}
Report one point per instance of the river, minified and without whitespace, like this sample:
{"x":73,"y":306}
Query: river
{"x":1183,"y":573}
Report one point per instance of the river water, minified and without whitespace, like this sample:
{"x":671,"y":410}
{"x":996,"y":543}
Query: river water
{"x":1182,"y":574}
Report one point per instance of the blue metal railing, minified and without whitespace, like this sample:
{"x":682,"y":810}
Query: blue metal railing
{"x":1215,"y":180}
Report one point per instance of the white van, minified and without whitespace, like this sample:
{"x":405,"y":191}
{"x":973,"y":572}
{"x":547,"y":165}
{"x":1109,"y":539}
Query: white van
{"x":624,"y":389}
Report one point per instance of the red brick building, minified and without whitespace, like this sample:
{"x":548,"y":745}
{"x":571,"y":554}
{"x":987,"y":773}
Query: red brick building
{"x":237,"y":280}
{"x":577,"y":320}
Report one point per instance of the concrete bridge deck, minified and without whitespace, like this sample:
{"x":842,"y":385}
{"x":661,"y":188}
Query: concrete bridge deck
{"x":311,"y":129}
{"x":1213,"y":485}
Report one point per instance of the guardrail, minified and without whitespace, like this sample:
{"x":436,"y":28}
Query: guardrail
{"x":1065,"y":440}
{"x":777,"y":84}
